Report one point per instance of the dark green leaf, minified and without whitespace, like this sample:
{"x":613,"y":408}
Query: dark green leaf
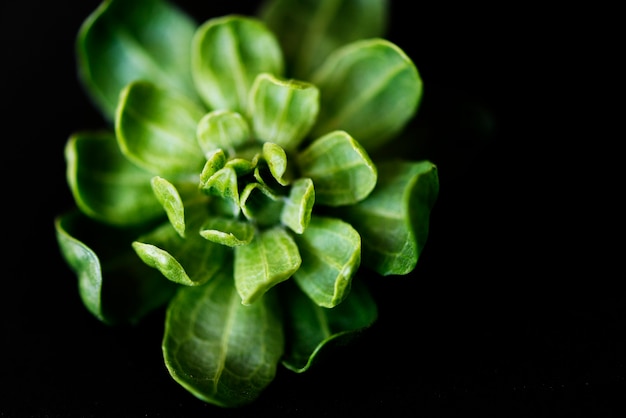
{"x":156,"y":129}
{"x":310,"y":30}
{"x":228,"y":53}
{"x":331,"y":254}
{"x":312,"y":330}
{"x":341,"y":170}
{"x":221,"y":351}
{"x":370,"y":89}
{"x":271,"y":257}
{"x":393,"y":221}
{"x":105,"y":185}
{"x":260,"y":205}
{"x":114,"y":285}
{"x":123,"y":41}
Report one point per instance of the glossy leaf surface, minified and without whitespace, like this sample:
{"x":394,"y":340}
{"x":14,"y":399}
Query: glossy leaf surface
{"x":312,"y":329}
{"x":227,"y":54}
{"x":222,"y":351}
{"x":298,"y":206}
{"x":156,"y":129}
{"x":310,"y":30}
{"x":341,"y":170}
{"x":393,"y":221}
{"x":112,"y":282}
{"x":271,"y":257}
{"x":368,"y":88}
{"x":283,"y":111}
{"x":170,"y":199}
{"x":331,"y":254}
{"x":123,"y":41}
{"x":105,"y":185}
{"x":223,"y":129}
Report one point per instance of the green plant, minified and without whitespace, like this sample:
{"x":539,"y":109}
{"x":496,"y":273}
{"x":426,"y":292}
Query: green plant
{"x":241,"y":165}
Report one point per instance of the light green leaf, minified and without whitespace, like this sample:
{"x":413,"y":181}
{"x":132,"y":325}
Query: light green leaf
{"x":271,"y":257}
{"x":168,"y":197}
{"x":215,"y":160}
{"x":105,"y":185}
{"x":223,"y":184}
{"x":296,"y":213}
{"x":114,"y":285}
{"x":221,"y":351}
{"x":309,"y":31}
{"x":393,"y":221}
{"x":156,"y":129}
{"x":313,"y":330}
{"x":223,"y":129}
{"x":369,"y":88}
{"x":341,"y":170}
{"x":227,"y":231}
{"x":283,"y":111}
{"x":276,"y":160}
{"x":227,"y":54}
{"x":260,"y":205}
{"x":331,"y":255}
{"x":123,"y":41}
{"x":191,"y":261}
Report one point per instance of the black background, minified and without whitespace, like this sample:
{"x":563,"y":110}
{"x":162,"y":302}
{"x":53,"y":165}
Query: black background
{"x":514,"y":309}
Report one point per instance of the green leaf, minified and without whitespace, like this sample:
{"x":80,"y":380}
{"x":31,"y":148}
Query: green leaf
{"x":341,"y":170}
{"x":271,"y":257}
{"x":221,"y":351}
{"x":331,"y":255}
{"x":223,"y":129}
{"x":105,"y":185}
{"x":227,"y":54}
{"x":369,"y":88}
{"x":283,"y":111}
{"x":393,"y":221}
{"x":227,"y":231}
{"x":156,"y":129}
{"x":309,"y":31}
{"x":276,"y":159}
{"x":215,"y":160}
{"x":296,"y":212}
{"x":223,"y":184}
{"x":191,"y":261}
{"x":313,"y":330}
{"x":168,"y":197}
{"x":114,"y":285}
{"x":123,"y":41}
{"x":260,"y":205}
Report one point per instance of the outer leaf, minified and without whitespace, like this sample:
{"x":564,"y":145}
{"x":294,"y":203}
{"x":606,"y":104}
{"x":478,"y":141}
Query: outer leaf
{"x":191,"y":261}
{"x":221,"y":351}
{"x":310,"y":30}
{"x":168,"y":197}
{"x":341,"y":170}
{"x":331,"y":254}
{"x":156,"y":129}
{"x":105,"y":185}
{"x":369,"y":88}
{"x":228,"y":53}
{"x":296,"y":212}
{"x":123,"y":41}
{"x":311,"y":329}
{"x":393,"y":221}
{"x":283,"y":111}
{"x":269,"y":259}
{"x":223,"y":129}
{"x":113,"y":284}
{"x":227,"y":231}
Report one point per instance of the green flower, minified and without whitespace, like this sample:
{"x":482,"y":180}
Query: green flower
{"x":253,"y":193}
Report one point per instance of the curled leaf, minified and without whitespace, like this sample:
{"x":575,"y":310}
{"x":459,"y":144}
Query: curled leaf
{"x":227,"y":54}
{"x":298,"y":206}
{"x":105,"y":185}
{"x":227,"y":231}
{"x":341,"y":170}
{"x":168,"y":197}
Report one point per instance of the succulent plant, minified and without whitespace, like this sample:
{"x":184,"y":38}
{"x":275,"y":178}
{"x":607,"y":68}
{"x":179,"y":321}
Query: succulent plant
{"x":238,"y":183}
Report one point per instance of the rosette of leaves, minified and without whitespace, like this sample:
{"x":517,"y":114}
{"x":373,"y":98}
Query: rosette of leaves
{"x":244,"y":199}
